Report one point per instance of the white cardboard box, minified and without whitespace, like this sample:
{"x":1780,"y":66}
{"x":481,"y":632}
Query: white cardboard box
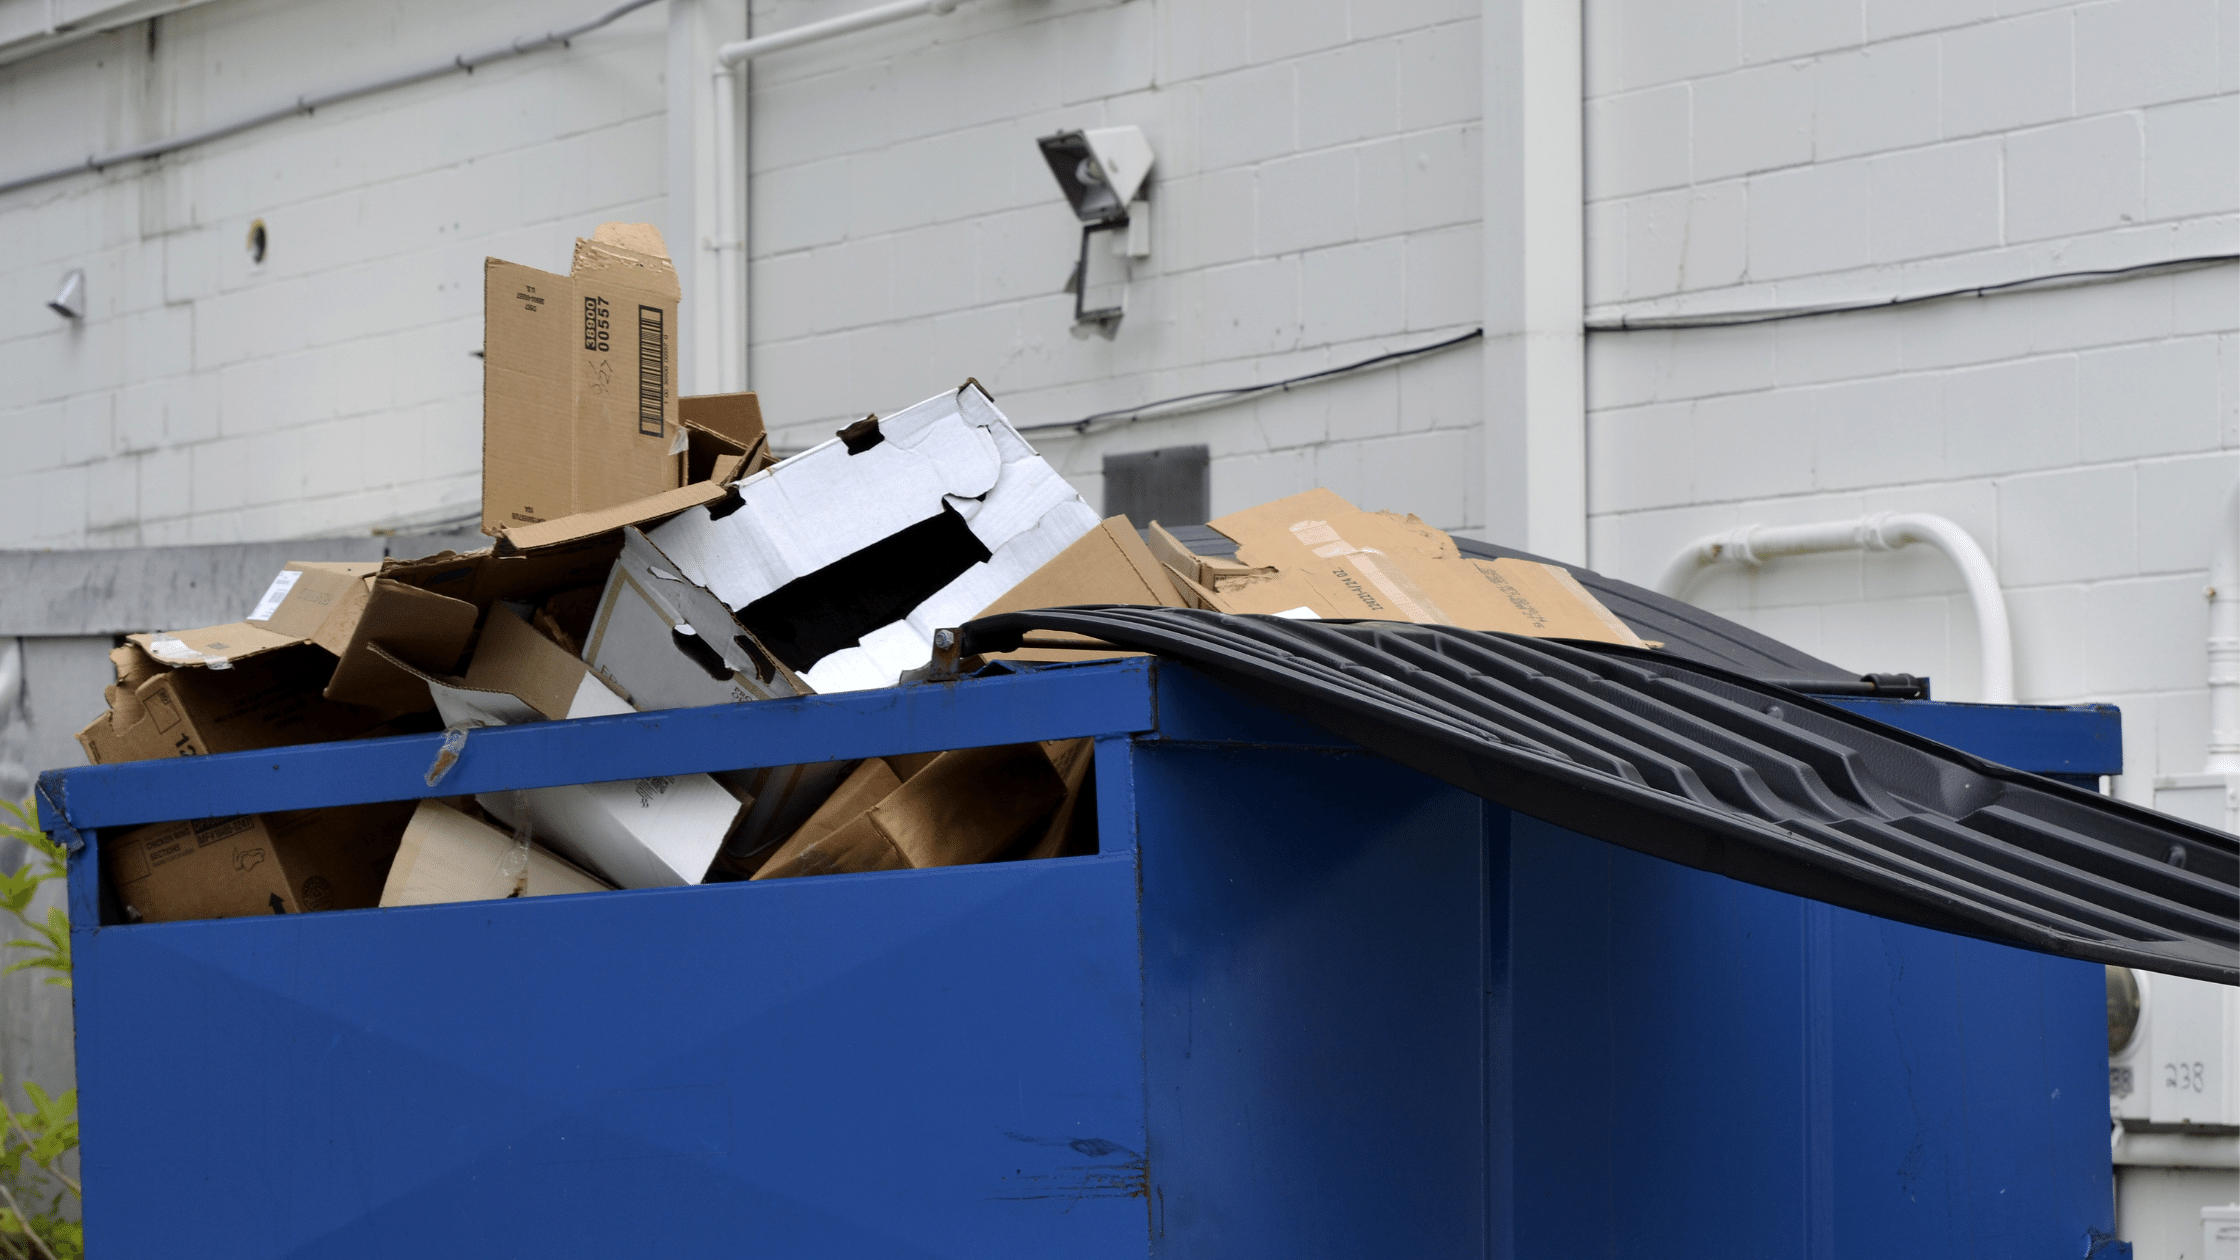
{"x":843,"y":560}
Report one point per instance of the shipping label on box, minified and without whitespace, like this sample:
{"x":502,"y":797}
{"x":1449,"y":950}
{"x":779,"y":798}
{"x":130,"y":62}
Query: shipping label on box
{"x":579,"y":381}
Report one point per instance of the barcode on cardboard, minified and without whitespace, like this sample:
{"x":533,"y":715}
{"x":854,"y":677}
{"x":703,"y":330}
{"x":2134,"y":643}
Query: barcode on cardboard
{"x":653,"y":359}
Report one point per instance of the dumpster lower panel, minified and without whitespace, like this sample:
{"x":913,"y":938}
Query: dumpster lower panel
{"x":925,"y":1063}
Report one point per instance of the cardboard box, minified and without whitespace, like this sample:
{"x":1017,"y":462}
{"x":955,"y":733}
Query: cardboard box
{"x":155,"y":711}
{"x":643,"y":642}
{"x":1108,"y":565}
{"x":1314,"y":554}
{"x":446,"y":856}
{"x":952,"y":809}
{"x":843,"y":560}
{"x":579,"y":399}
{"x":251,"y":864}
{"x":342,"y":608}
{"x":641,"y":833}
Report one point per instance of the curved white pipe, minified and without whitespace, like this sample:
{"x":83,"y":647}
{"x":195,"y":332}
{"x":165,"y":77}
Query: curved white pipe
{"x":2224,"y":643}
{"x":1755,"y":544}
{"x":810,"y":32}
{"x":730,"y":237}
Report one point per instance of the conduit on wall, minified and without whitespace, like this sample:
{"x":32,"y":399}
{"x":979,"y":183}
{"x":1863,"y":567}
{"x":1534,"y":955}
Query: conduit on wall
{"x":1755,"y":544}
{"x":730,"y":173}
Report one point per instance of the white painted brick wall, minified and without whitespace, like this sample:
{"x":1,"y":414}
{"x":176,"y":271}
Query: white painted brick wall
{"x":1315,"y":200}
{"x":2085,"y":437}
{"x":207,"y":398}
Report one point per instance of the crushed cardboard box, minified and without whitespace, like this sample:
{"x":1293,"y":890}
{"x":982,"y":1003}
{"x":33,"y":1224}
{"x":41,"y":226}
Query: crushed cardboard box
{"x":253,"y":864}
{"x":155,"y":711}
{"x":342,"y":608}
{"x":643,"y":833}
{"x":447,"y":856}
{"x":943,"y":809}
{"x":579,"y":398}
{"x":844,"y":559}
{"x":1314,"y":554}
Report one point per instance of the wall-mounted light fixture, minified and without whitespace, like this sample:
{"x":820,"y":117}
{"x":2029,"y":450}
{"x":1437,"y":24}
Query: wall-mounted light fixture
{"x":1102,"y":171}
{"x":69,"y":301}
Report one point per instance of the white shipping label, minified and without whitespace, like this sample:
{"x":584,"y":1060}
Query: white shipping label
{"x":275,"y":593}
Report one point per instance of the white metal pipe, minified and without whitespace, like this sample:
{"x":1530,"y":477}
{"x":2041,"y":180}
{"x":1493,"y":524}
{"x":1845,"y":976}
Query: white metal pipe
{"x":746,"y":50}
{"x":11,"y":677}
{"x":2224,"y":642}
{"x":729,"y":240}
{"x":730,"y":237}
{"x":1755,"y":544}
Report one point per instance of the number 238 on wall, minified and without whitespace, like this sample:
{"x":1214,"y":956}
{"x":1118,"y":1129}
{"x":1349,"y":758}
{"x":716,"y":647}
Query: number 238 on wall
{"x":2190,"y":1077}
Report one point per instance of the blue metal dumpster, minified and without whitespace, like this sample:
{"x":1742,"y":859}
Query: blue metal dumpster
{"x":1302,"y":1002}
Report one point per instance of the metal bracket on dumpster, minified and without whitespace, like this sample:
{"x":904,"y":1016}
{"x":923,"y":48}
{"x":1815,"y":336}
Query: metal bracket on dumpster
{"x":956,"y":654}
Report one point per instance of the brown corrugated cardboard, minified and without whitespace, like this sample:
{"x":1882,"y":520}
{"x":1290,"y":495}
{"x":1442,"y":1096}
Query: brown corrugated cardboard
{"x":1107,"y":565}
{"x":342,"y":608}
{"x":1335,"y":560}
{"x":267,"y":702}
{"x":727,"y":442}
{"x":446,"y":856}
{"x":966,"y":806}
{"x":222,"y":868}
{"x":579,"y":381}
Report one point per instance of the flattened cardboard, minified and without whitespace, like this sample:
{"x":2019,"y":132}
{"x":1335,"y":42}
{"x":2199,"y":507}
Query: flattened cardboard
{"x":1107,"y":565}
{"x":255,"y":864}
{"x":1340,"y":562}
{"x":267,"y":702}
{"x":966,"y":806}
{"x":446,"y":856}
{"x":579,"y":381}
{"x":844,"y":559}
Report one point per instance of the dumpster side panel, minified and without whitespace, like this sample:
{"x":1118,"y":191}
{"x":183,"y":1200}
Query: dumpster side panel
{"x":1706,"y":1068}
{"x":1314,"y":1027}
{"x":907,"y":1064}
{"x":1659,"y":1093}
{"x":1973,"y":1114}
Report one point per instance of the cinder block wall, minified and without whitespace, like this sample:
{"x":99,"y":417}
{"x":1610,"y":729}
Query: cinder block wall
{"x":1799,"y":153}
{"x":1315,"y":201}
{"x":208,"y":398}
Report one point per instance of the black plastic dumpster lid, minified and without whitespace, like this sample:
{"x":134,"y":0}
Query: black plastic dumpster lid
{"x":1719,"y":771}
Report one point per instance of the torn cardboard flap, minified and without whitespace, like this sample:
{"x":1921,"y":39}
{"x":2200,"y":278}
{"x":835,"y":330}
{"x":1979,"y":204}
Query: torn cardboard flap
{"x":342,"y":608}
{"x":446,"y":856}
{"x":1108,"y":565}
{"x":579,"y":381}
{"x":267,"y":702}
{"x":726,"y":441}
{"x":843,"y":560}
{"x":1341,"y":562}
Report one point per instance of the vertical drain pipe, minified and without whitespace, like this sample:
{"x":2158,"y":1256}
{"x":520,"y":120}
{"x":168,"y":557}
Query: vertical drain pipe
{"x":2224,"y":642}
{"x":731,"y":183}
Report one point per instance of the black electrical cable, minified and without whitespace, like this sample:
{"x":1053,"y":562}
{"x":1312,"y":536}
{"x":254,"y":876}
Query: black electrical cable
{"x":1218,"y":397}
{"x":2059,"y":279}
